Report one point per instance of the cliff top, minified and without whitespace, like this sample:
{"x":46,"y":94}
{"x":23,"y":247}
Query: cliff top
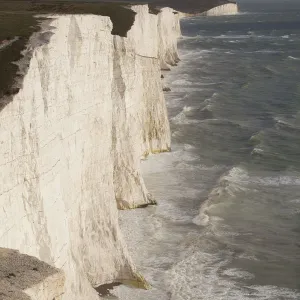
{"x":18,"y":23}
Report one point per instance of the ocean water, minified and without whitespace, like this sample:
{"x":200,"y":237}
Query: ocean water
{"x":228,"y":221}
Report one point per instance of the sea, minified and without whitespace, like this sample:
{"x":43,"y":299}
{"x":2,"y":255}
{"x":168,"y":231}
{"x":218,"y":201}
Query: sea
{"x":227,"y":224}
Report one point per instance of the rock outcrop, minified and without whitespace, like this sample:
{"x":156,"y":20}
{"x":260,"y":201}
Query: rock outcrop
{"x":191,"y":7}
{"x":89,"y":106}
{"x":23,"y":277}
{"x":222,"y":10}
{"x":168,"y":32}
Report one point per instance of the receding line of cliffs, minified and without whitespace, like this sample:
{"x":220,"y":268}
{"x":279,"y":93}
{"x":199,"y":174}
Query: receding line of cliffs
{"x":222,"y":10}
{"x":85,"y":105}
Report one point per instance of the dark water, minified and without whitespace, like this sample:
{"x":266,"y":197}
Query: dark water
{"x":228,"y":223}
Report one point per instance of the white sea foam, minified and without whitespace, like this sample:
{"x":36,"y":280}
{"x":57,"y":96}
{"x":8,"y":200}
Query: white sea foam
{"x":272,"y":70}
{"x":181,"y":118}
{"x":188,"y":147}
{"x":182,"y":82}
{"x":237,"y":273}
{"x":205,"y":276}
{"x":197,"y":37}
{"x":241,"y":176}
{"x":202,"y":219}
{"x":209,"y":102}
{"x":8,"y":43}
{"x":187,"y":109}
{"x":293,"y":58}
{"x":185,"y":82}
{"x":282,"y":123}
{"x":226,"y":185}
{"x":247,"y":256}
{"x":176,"y":133}
{"x":257,"y":151}
{"x":257,"y":137}
{"x":266,"y":51}
{"x":232,"y":36}
{"x":187,"y":89}
{"x":235,"y":180}
{"x":295,"y":201}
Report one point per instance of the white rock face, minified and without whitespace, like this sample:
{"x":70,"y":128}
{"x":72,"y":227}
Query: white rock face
{"x":169,"y":31}
{"x":142,"y":121}
{"x":71,"y":141}
{"x":226,"y":9}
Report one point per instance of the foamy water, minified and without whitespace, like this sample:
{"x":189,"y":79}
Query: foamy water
{"x":227,"y":223}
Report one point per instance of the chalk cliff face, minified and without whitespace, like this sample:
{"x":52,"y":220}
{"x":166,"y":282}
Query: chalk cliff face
{"x":91,"y":105}
{"x":221,"y":10}
{"x":169,"y":31}
{"x":142,"y":122}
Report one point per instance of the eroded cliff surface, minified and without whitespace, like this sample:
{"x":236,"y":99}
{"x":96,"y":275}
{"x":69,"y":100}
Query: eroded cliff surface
{"x":89,"y":107}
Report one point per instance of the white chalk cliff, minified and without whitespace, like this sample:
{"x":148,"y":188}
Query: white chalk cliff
{"x":222,"y":10}
{"x":90,"y":107}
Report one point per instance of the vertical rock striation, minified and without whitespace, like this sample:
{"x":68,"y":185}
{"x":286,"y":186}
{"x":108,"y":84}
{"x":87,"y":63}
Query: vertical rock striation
{"x":90,"y":106}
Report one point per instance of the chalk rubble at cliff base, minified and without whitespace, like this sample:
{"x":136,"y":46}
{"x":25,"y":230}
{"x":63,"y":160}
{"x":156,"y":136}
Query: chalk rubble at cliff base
{"x":89,"y":106}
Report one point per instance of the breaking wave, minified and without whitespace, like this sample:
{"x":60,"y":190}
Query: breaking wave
{"x":236,"y":180}
{"x":228,"y":184}
{"x":183,"y":116}
{"x":202,"y":275}
{"x":191,"y":37}
{"x":293,"y":58}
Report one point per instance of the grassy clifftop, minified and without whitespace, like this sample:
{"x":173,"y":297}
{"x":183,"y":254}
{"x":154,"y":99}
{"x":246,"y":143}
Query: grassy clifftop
{"x":120,"y":13}
{"x":17,"y":20}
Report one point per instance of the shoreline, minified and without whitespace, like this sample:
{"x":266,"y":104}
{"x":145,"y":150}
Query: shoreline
{"x":135,"y":224}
